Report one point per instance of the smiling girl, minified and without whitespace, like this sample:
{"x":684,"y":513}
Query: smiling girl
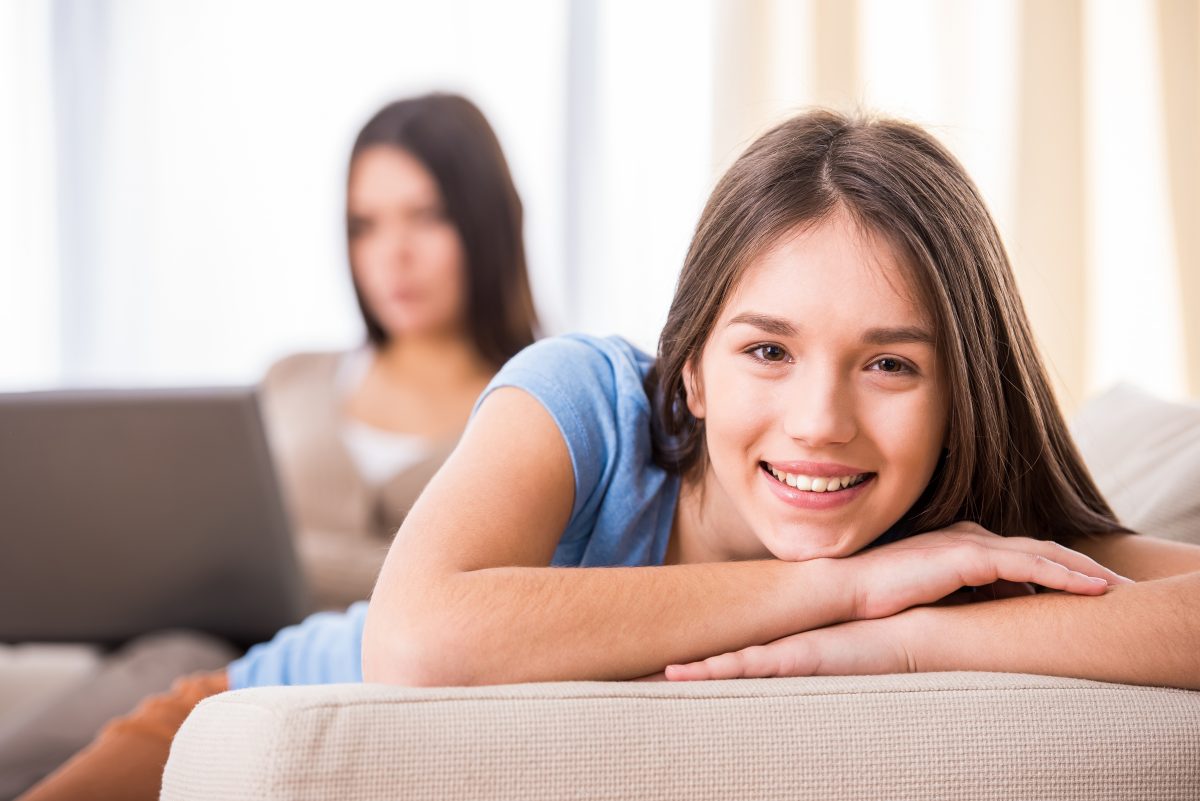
{"x":847,"y":423}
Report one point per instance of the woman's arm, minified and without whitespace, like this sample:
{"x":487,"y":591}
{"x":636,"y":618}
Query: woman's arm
{"x":1145,"y":633}
{"x":466,"y":595}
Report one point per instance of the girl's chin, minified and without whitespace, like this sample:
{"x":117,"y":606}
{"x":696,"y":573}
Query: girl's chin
{"x":802,"y":545}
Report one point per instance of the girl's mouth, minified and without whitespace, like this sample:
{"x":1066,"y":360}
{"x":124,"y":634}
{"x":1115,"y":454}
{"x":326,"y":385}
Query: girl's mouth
{"x":813,"y":493}
{"x":803,"y":483}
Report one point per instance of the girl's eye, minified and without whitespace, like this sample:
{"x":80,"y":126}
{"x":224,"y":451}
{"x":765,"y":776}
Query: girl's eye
{"x":891,"y":365}
{"x":769,"y":353}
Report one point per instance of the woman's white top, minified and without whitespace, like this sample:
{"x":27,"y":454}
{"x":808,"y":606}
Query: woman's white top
{"x":378,"y":454}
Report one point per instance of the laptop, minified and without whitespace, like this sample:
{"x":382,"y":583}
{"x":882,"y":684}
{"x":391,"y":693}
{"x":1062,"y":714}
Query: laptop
{"x":129,"y":511}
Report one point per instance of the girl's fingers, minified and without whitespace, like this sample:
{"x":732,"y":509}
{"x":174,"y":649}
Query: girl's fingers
{"x":1029,"y":567}
{"x":753,"y":662}
{"x":1075,"y":561}
{"x":1084,"y":564}
{"x":693,"y":671}
{"x":1053,"y":551}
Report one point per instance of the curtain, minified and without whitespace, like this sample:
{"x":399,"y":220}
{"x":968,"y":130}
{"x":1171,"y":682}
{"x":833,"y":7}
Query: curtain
{"x":29,"y":286}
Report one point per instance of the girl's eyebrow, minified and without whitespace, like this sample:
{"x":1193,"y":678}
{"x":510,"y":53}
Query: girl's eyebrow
{"x":781,"y":327}
{"x":892,"y":336}
{"x":777,"y":326}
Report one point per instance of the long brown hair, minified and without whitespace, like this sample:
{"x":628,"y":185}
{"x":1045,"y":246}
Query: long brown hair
{"x":1010,"y":464}
{"x":450,"y":136}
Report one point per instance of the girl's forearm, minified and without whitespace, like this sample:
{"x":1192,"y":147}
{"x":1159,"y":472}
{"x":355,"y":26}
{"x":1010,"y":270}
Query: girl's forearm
{"x":522,"y":624}
{"x":1146,"y":633}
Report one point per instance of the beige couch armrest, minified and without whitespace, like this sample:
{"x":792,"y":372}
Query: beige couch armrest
{"x":919,"y":736}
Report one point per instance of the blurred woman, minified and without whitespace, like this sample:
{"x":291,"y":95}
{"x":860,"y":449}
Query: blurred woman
{"x":433,"y":224}
{"x":434,"y":229}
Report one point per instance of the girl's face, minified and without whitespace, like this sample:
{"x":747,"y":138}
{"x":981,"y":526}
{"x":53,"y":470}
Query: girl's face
{"x":406,"y":254}
{"x":824,"y":410}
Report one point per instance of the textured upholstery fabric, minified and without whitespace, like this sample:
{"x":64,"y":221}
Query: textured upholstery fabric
{"x":920,"y":736}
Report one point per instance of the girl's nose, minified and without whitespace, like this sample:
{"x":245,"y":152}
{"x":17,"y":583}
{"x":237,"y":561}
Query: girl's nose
{"x":819,"y":410}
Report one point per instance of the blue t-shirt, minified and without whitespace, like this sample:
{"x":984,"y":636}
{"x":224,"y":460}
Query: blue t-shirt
{"x":624,"y":503}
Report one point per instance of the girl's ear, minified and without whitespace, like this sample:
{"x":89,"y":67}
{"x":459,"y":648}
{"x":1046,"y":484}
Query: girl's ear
{"x":694,"y":389}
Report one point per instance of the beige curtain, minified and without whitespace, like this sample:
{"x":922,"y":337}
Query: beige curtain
{"x":1179,"y":42}
{"x":769,"y":60}
{"x":1048,"y":243}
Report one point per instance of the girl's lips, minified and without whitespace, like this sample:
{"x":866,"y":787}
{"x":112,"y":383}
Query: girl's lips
{"x":826,"y":469}
{"x":814,"y":500}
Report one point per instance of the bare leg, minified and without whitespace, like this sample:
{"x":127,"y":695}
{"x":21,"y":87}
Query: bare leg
{"x":36,"y":742}
{"x":126,"y":760}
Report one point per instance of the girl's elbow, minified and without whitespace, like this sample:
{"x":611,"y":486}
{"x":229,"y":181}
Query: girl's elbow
{"x":408,"y":656}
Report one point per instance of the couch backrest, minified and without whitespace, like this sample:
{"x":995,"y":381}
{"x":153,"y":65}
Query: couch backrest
{"x":1144,"y":453}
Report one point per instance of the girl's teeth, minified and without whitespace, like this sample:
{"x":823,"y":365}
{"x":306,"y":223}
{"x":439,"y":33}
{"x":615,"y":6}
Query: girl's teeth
{"x":818,"y":483}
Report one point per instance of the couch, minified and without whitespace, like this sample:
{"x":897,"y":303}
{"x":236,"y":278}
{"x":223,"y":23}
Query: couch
{"x":913,"y":736}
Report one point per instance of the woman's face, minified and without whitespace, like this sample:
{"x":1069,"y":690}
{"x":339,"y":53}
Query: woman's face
{"x":821,"y":373}
{"x":406,"y":254}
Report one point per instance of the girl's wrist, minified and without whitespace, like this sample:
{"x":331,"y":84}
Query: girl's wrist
{"x":829,"y":582}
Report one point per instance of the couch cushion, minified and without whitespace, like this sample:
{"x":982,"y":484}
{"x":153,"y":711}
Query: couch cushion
{"x":910,"y":736}
{"x":1144,"y":454}
{"x":33,"y":673}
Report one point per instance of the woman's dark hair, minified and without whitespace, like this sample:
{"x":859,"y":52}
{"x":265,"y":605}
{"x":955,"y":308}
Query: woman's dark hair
{"x":1010,"y":464}
{"x":450,"y":136}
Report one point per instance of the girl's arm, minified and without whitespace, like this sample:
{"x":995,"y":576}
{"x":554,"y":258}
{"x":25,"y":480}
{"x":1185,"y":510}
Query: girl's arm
{"x":1145,"y":633}
{"x":466,"y":595}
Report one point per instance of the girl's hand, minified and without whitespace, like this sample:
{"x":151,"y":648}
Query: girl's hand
{"x":859,"y":647}
{"x":928,"y":567}
{"x":885,"y":645}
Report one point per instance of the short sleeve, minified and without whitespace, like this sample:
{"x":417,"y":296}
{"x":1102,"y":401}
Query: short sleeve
{"x":576,"y":380}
